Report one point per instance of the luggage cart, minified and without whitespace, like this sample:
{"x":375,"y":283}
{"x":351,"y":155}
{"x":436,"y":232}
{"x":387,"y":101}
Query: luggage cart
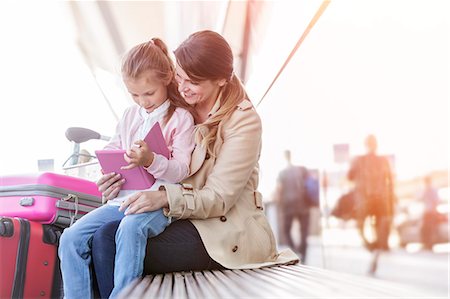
{"x":81,"y":163}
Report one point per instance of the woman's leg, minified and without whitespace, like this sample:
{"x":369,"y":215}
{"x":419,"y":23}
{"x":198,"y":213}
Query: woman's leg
{"x":103,"y":255}
{"x":75,"y":251}
{"x":133,"y":231}
{"x":178,"y":248}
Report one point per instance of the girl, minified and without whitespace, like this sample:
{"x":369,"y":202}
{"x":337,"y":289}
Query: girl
{"x":148,"y":74}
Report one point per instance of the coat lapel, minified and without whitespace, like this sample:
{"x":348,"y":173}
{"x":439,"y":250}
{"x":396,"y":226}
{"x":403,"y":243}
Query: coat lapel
{"x":199,"y":153}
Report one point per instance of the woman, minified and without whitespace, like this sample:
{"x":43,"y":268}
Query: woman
{"x":219,"y":215}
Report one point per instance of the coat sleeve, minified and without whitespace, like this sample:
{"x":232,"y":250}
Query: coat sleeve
{"x":234,"y":164}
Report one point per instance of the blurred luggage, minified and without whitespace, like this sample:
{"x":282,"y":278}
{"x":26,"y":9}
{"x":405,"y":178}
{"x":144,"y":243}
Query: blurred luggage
{"x":312,"y":188}
{"x":345,"y":207}
{"x":47,"y":197}
{"x":29,"y":262}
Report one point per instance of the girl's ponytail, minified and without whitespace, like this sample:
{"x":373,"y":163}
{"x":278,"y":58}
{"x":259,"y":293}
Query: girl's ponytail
{"x":154,"y":56}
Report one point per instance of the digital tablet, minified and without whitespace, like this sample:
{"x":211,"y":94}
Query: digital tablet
{"x":136,"y":178}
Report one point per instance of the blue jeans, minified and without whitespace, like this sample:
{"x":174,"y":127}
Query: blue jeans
{"x":130,"y":240}
{"x":178,"y":248}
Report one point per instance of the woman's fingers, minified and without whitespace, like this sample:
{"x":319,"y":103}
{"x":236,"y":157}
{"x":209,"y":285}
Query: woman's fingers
{"x":130,"y":200}
{"x":146,"y":201}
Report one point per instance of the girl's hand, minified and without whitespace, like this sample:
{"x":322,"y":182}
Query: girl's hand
{"x":145,"y":201}
{"x":138,"y":155}
{"x":109,"y":185}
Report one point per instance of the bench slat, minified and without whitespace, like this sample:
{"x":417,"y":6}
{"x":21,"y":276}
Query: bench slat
{"x":293,"y":281}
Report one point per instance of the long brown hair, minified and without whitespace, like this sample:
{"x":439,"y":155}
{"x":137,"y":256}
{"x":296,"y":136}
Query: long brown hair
{"x":153,"y":56}
{"x":206,"y":55}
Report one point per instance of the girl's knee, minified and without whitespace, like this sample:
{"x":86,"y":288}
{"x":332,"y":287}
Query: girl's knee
{"x":69,"y":236}
{"x":128,"y":224}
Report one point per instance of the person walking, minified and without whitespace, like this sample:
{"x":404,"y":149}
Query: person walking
{"x":374,"y":194}
{"x":430,"y":216}
{"x":293,"y":204}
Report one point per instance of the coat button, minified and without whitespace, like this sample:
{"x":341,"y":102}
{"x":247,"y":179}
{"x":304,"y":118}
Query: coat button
{"x":235,"y":248}
{"x":223,"y":218}
{"x":207,"y":156}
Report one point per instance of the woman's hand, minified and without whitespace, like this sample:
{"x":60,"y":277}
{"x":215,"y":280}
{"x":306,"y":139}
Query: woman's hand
{"x":109,"y":185}
{"x":138,"y":155}
{"x":145,"y":201}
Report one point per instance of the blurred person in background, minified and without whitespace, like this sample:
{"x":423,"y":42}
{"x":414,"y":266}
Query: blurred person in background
{"x":430,"y":216}
{"x":292,"y":201}
{"x":374,"y":194}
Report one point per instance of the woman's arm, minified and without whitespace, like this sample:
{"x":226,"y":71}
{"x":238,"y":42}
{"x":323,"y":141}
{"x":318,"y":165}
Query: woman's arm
{"x":234,"y":164}
{"x":231,"y":172}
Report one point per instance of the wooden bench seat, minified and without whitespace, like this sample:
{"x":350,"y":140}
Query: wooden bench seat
{"x":294,"y":281}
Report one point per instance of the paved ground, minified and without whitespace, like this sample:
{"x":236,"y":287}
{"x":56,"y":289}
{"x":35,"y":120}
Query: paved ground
{"x":428,"y":271}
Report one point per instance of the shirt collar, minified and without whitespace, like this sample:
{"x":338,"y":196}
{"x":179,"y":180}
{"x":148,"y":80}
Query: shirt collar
{"x":155,"y":113}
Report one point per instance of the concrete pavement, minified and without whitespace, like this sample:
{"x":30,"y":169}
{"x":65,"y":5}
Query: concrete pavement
{"x":425,"y":270}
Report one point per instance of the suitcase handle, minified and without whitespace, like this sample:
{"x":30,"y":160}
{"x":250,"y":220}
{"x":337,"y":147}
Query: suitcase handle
{"x":6,"y":227}
{"x":75,"y":199}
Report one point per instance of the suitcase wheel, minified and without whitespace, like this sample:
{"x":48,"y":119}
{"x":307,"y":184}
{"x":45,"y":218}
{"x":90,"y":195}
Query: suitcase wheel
{"x":6,"y":227}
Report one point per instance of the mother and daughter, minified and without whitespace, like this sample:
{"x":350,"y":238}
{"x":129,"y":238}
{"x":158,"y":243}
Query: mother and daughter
{"x":204,"y":211}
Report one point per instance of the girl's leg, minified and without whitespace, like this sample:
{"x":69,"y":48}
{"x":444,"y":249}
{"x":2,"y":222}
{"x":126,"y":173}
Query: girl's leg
{"x":131,"y":241}
{"x":75,"y":251}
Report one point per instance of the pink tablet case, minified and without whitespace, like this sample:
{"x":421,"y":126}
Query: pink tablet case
{"x":137,"y":178}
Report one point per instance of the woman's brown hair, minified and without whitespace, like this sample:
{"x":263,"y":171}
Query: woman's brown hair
{"x":206,"y":55}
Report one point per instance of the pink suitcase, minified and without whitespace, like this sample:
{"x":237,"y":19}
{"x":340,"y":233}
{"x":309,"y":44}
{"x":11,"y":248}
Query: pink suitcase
{"x":47,"y":197}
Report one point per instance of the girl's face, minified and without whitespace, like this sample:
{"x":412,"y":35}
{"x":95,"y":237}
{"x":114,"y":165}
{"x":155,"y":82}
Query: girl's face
{"x":197,"y":93}
{"x":147,"y":91}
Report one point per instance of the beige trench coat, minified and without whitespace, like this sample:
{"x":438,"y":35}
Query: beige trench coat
{"x":221,"y":198}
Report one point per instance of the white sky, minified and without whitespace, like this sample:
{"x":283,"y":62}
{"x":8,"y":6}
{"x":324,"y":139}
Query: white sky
{"x":46,"y":87}
{"x":367,"y":66}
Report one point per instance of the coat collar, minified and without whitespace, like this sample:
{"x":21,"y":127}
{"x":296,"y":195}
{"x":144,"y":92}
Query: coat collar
{"x":216,"y":106}
{"x":199,"y":153}
{"x":198,"y":157}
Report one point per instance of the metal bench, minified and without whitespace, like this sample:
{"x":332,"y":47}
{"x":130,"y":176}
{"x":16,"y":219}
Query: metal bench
{"x":294,"y":281}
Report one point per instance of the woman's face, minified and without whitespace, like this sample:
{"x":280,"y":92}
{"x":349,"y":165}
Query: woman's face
{"x":147,"y":91}
{"x":197,"y":93}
